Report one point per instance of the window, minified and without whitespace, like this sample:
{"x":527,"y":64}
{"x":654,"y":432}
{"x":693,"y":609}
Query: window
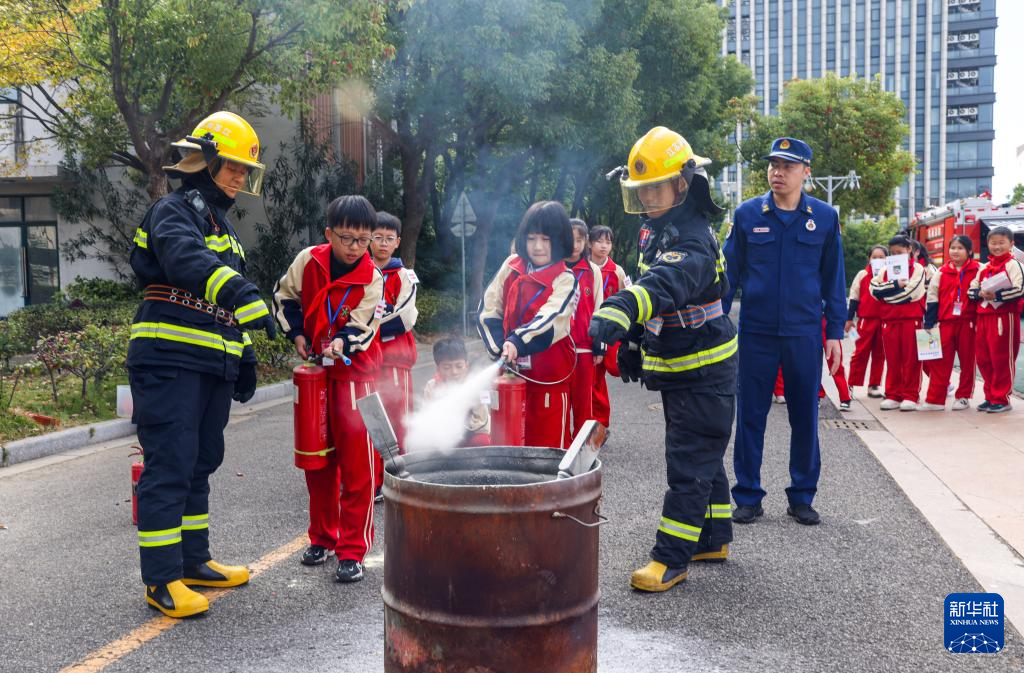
{"x":29,"y":261}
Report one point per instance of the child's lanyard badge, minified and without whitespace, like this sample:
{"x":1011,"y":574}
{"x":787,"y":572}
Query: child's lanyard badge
{"x":958,"y":305}
{"x":524,"y":361}
{"x":325,"y":342}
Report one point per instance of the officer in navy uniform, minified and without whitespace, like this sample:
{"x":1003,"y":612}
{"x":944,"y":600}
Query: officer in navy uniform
{"x":677,"y":340}
{"x":188,"y":356}
{"x":785,"y":253}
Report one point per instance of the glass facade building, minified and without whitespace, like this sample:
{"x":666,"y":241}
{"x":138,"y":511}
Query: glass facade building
{"x":938,"y":55}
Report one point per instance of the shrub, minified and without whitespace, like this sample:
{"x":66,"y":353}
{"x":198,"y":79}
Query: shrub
{"x":438,"y":311}
{"x":274,"y":353}
{"x":28,"y":325}
{"x":101,"y":291}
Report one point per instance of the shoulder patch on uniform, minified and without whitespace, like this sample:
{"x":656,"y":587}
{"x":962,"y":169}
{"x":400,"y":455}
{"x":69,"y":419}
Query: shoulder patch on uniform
{"x":672,"y":256}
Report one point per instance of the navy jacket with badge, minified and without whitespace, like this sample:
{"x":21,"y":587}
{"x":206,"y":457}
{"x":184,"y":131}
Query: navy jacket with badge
{"x":682,"y":268}
{"x":186,"y":241}
{"x":787,"y":272}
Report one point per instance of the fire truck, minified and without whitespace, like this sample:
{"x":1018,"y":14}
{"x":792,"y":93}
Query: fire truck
{"x":972,"y":217}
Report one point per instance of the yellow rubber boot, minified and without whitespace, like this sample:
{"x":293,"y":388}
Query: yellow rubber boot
{"x":657,"y":577}
{"x":213,"y":574}
{"x":712,"y":555}
{"x":176,"y":600}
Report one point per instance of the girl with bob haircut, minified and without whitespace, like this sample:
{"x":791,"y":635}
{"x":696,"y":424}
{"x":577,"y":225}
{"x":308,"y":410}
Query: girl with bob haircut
{"x":525,"y":318}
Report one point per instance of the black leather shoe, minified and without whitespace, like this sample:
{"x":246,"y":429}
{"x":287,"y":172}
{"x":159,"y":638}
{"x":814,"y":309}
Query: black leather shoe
{"x":315,"y":555}
{"x":349,"y":571}
{"x":804,"y":514}
{"x":747,"y":513}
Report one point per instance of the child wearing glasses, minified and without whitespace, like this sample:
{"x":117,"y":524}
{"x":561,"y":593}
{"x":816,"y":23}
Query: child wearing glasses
{"x":329,"y":303}
{"x":394,"y":383}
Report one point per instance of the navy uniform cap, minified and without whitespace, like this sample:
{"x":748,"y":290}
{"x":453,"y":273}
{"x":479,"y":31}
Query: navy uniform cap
{"x":791,"y":149}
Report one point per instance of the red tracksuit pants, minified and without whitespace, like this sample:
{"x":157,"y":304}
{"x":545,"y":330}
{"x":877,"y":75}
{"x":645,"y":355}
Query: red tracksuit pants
{"x":581,"y":391}
{"x":996,"y":346}
{"x":840,"y":380}
{"x":957,"y":341}
{"x":903,"y":374}
{"x":344,"y":522}
{"x":601,"y":403}
{"x":395,"y":387}
{"x":547,"y":415}
{"x":868,"y":346}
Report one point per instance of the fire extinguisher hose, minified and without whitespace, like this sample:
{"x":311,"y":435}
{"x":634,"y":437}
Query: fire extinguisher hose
{"x":516,"y":372}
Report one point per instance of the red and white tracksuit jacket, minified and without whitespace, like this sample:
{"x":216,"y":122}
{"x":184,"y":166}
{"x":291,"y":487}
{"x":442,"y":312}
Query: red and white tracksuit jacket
{"x":589,"y":295}
{"x":998,"y":332}
{"x":902,"y":312}
{"x":397,"y":343}
{"x":533,"y":310}
{"x":307,"y":301}
{"x":867,"y":311}
{"x":613,"y":279}
{"x":948,"y":304}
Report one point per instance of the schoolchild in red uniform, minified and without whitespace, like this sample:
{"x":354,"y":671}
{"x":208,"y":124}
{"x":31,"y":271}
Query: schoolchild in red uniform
{"x":613,"y":279}
{"x":865,"y":312}
{"x":396,"y":340}
{"x":525,"y":318}
{"x":589,"y":296}
{"x":998,"y":331}
{"x":902,"y":313}
{"x":330,"y":302}
{"x":949,"y":306}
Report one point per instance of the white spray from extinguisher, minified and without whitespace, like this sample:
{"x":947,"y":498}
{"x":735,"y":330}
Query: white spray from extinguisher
{"x":441,"y":423}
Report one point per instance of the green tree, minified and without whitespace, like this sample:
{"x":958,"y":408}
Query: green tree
{"x":850,"y":123}
{"x":116,"y":81}
{"x":860,"y":237}
{"x":1018,"y":193}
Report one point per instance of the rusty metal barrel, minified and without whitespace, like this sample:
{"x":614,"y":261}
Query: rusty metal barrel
{"x":491,"y":563}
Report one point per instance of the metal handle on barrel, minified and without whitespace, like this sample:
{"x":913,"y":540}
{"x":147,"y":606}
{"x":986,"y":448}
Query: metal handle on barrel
{"x":602,"y":519}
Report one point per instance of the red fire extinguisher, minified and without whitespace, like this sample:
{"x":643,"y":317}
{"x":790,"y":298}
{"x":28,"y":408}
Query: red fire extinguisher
{"x":136,"y":474}
{"x":310,"y":414}
{"x":508,"y":411}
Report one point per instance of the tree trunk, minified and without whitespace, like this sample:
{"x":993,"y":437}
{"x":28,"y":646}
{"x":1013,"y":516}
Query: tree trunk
{"x":559,"y":193}
{"x":582,"y":186}
{"x":156,"y":180}
{"x":414,"y":195}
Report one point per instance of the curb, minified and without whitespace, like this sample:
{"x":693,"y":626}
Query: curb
{"x":52,"y":443}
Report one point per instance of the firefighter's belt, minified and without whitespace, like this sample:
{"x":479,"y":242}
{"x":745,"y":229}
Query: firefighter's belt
{"x":693,"y":315}
{"x":175,"y":295}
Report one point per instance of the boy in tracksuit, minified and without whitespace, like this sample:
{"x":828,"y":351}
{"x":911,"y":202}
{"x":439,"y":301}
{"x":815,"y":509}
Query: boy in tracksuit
{"x":396,"y":339}
{"x":525,"y":317}
{"x":902,"y":313}
{"x":589,"y":294}
{"x":613,"y":279}
{"x":998,"y":335}
{"x":329,"y":303}
{"x":866,"y":313}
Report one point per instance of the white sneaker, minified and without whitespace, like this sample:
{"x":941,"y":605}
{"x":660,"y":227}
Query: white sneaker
{"x":889,"y":405}
{"x":780,"y":399}
{"x":874,"y":391}
{"x":961,"y":404}
{"x":928,"y":406}
{"x":908,"y":405}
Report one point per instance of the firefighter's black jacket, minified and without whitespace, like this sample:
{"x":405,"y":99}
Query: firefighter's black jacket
{"x":186,"y":241}
{"x":682,"y":268}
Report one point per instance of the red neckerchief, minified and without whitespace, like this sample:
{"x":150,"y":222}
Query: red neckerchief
{"x":362,"y":274}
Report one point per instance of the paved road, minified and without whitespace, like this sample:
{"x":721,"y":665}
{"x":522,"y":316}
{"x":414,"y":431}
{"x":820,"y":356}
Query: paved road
{"x":863,"y":592}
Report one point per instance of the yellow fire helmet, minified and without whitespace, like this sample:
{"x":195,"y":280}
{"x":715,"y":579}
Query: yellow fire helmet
{"x":227,"y":137}
{"x":661,"y":156}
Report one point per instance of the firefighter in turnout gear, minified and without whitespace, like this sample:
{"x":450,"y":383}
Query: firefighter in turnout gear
{"x":676,"y":339}
{"x":189,"y":356}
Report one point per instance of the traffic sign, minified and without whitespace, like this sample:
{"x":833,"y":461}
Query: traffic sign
{"x":463,"y":217}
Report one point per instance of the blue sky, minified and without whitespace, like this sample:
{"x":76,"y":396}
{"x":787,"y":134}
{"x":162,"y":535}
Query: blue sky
{"x":1009,"y":107}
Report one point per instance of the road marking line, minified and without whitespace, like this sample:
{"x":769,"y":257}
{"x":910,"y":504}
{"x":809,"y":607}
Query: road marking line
{"x":105,"y":656}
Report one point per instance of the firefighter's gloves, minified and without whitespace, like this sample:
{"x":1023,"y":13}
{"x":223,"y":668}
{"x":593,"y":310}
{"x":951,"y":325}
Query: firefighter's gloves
{"x":630,"y":362}
{"x":252,"y":314}
{"x":612,"y":321}
{"x":245,"y":384}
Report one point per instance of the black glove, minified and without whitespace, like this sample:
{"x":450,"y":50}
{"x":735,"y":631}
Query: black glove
{"x":245,"y":384}
{"x":265,"y":323}
{"x":629,"y":360}
{"x":606,"y":325}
